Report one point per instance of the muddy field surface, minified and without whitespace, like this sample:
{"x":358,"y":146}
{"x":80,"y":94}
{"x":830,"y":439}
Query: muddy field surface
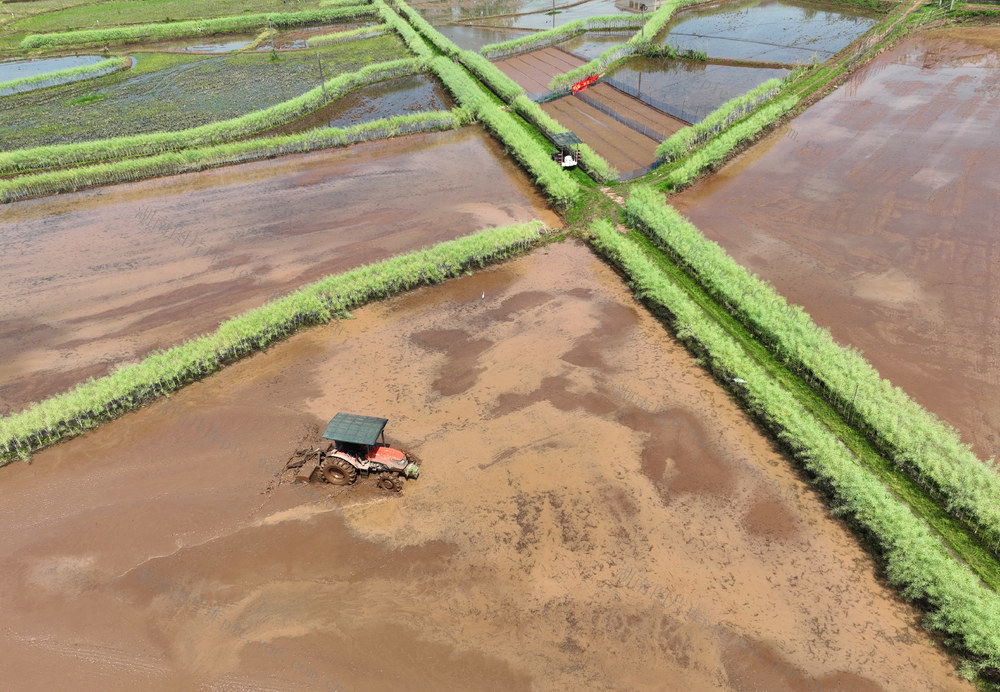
{"x":101,"y":277}
{"x":877,"y":210}
{"x":161,"y":552}
{"x":533,"y":71}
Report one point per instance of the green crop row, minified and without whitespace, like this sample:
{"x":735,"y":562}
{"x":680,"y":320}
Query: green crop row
{"x":353,"y":34}
{"x":97,"y":401}
{"x":717,"y":149}
{"x":196,"y":27}
{"x":197,"y":159}
{"x":688,"y":138}
{"x":959,"y":605}
{"x":73,"y":74}
{"x":925,"y":448}
{"x":62,"y":155}
{"x":550,"y":37}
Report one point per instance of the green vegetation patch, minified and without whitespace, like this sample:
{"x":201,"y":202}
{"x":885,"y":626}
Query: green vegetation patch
{"x":175,"y":92}
{"x":197,"y":27}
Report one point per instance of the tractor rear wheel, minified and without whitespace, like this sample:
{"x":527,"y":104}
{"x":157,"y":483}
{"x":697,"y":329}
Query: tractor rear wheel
{"x":337,"y":471}
{"x":390,"y":481}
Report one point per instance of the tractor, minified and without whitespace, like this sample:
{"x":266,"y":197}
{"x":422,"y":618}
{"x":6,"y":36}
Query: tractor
{"x":357,"y":446}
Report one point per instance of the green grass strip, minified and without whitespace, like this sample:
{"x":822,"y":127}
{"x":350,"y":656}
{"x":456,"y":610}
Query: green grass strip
{"x":352,"y":35}
{"x":100,"y":400}
{"x":62,"y":155}
{"x":59,"y":77}
{"x":959,"y":605}
{"x":680,"y":173}
{"x":195,"y":27}
{"x":198,"y":159}
{"x":922,"y":447}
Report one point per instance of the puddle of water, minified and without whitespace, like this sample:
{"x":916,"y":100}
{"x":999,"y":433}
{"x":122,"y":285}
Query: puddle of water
{"x":400,"y":96}
{"x":771,"y":30}
{"x":694,"y":88}
{"x":18,"y":69}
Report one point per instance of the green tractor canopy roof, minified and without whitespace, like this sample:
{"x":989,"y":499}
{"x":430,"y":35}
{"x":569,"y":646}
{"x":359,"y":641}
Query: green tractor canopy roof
{"x":354,"y":429}
{"x":565,"y":139}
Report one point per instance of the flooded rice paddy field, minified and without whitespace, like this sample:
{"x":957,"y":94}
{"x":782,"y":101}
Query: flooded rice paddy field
{"x":177,"y":91}
{"x":97,"y":278}
{"x":768,"y":30}
{"x":689,"y":90}
{"x":877,"y":210}
{"x":19,"y":69}
{"x":160,"y":552}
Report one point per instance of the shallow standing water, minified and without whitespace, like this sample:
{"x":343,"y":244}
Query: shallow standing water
{"x":18,"y":69}
{"x":877,"y":210}
{"x":101,"y":277}
{"x":161,"y":553}
{"x":690,"y":90}
{"x":768,"y":30}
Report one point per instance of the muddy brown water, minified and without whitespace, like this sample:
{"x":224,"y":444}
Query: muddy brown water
{"x":160,"y":551}
{"x":101,"y":277}
{"x":877,"y":210}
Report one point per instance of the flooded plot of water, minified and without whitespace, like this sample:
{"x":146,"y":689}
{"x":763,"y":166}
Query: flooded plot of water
{"x":771,"y":30}
{"x":541,"y":20}
{"x":401,"y":96}
{"x":688,"y":90}
{"x":19,"y":69}
{"x":877,"y":210}
{"x":591,"y":44}
{"x":475,"y":37}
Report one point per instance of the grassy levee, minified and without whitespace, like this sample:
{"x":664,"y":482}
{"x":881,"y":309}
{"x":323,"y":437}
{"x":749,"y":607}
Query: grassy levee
{"x":958,"y":604}
{"x":352,"y":35}
{"x":62,"y":155}
{"x":100,"y":400}
{"x":195,"y":27}
{"x":201,"y":158}
{"x":59,"y":77}
{"x":928,"y":451}
{"x":528,"y":147}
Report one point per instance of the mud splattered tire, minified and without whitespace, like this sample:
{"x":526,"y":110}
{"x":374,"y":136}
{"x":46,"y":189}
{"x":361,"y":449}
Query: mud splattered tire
{"x":336,"y":471}
{"x":390,"y":481}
